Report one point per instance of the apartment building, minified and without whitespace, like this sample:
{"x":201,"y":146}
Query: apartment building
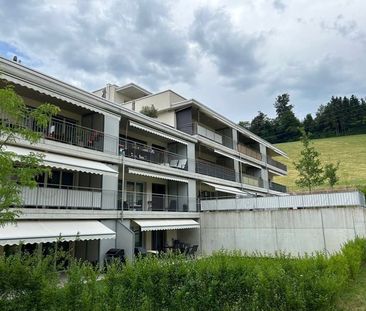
{"x":121,"y":179}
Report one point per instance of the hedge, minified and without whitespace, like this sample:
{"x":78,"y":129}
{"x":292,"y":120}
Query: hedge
{"x":224,"y":281}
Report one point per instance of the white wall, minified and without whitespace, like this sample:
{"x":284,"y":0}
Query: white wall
{"x":290,"y":231}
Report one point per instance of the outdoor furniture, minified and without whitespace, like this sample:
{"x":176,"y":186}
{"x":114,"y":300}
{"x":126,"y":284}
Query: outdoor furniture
{"x":191,"y":252}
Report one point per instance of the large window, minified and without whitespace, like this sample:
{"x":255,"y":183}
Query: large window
{"x":57,"y":179}
{"x":135,"y":195}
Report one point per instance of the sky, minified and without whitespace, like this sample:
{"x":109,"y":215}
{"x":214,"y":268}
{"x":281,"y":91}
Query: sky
{"x":233,"y":56}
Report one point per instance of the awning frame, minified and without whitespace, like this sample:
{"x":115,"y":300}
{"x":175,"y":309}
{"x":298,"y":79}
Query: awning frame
{"x":156,"y":175}
{"x":167,"y":224}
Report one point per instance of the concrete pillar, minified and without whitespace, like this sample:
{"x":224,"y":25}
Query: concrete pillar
{"x":191,"y":155}
{"x":110,"y":190}
{"x":111,"y":134}
{"x":235,"y":139}
{"x":264,"y":170}
{"x":125,"y":238}
{"x":192,"y":195}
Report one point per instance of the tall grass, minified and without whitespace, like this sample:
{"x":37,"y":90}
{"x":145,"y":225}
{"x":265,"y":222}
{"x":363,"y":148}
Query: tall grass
{"x":224,"y":281}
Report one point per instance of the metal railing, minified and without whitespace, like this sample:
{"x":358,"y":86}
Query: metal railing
{"x":277,"y":164}
{"x":305,"y":201}
{"x":277,"y":187}
{"x":215,"y":170}
{"x":74,"y":197}
{"x":249,"y":151}
{"x":251,"y":180}
{"x":150,"y":154}
{"x":72,"y":134}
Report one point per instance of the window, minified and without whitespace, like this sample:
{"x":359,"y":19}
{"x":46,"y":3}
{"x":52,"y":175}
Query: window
{"x":134,"y":194}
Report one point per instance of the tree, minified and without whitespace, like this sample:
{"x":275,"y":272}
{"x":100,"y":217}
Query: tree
{"x":308,"y":123}
{"x":262,"y":126}
{"x":309,"y":167}
{"x":286,"y":123}
{"x":149,"y":111}
{"x":330,"y":173}
{"x":245,"y":124}
{"x":17,"y":171}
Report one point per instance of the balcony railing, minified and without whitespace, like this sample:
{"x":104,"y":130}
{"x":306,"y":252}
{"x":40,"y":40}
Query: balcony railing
{"x":277,"y":187}
{"x":249,"y":151}
{"x":73,"y":197}
{"x":277,"y":164}
{"x":214,"y":170}
{"x":251,"y":180}
{"x":150,"y":154}
{"x":72,"y":134}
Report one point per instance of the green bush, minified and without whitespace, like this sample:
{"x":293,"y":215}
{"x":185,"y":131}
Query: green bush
{"x":224,"y":281}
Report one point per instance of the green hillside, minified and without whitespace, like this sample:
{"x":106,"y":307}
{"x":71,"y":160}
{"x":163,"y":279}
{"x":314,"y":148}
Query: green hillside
{"x":349,"y":150}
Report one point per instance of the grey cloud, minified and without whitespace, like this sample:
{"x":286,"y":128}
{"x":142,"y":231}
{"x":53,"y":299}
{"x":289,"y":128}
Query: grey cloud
{"x":122,"y":38}
{"x":233,"y":52}
{"x":279,"y":5}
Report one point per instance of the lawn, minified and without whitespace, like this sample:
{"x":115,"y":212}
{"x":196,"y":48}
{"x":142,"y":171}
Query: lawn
{"x":350,"y":151}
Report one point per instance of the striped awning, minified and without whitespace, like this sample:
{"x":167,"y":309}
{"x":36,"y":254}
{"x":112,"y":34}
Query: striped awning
{"x":156,"y":132}
{"x":36,"y":231}
{"x":167,"y":224}
{"x":66,"y":162}
{"x":156,"y":175}
{"x":227,"y":189}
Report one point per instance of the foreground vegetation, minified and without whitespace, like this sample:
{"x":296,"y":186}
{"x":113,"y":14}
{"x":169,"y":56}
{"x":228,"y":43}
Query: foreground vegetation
{"x":225,"y":281}
{"x":348,"y":150}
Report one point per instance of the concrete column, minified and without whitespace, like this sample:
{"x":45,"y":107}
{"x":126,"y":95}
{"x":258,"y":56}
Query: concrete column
{"x":110,"y":190}
{"x":264,"y":170}
{"x":192,"y":195}
{"x":235,"y":139}
{"x":111,"y":134}
{"x":125,"y":238}
{"x":191,"y":155}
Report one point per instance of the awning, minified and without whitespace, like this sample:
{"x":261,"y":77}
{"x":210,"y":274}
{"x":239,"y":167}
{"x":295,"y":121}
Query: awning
{"x":167,"y":224}
{"x":33,"y":231}
{"x":156,"y":132}
{"x":156,"y":175}
{"x":275,"y":173}
{"x":67,"y":163}
{"x":227,"y":189}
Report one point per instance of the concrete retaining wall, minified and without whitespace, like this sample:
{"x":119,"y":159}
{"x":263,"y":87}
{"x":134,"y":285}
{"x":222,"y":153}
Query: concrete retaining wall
{"x":291,"y":231}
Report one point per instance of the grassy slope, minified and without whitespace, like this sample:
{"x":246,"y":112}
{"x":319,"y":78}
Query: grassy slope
{"x":349,"y":150}
{"x":354,"y":296}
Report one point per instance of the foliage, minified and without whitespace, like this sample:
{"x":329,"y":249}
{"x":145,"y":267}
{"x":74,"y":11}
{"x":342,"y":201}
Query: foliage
{"x":309,"y":167}
{"x":340,"y":116}
{"x":330,"y":173}
{"x":149,"y":111}
{"x":224,"y":281}
{"x":17,"y":171}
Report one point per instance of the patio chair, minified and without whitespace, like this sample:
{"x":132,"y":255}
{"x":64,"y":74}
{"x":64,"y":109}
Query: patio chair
{"x":192,"y":251}
{"x":182,"y":164}
{"x":173,"y":163}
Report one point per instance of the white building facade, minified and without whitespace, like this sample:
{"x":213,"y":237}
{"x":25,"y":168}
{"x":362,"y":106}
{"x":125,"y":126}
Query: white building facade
{"x":121,"y":179}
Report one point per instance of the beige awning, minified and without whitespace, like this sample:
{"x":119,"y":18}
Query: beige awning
{"x":167,"y":224}
{"x":66,"y":162}
{"x":156,"y":132}
{"x":34,"y":231}
{"x":227,"y":189}
{"x":156,"y":175}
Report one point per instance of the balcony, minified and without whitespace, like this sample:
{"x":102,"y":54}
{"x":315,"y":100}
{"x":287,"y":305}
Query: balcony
{"x":251,"y":180}
{"x":150,"y":154}
{"x":277,"y":187}
{"x":72,"y":197}
{"x":277,"y":164}
{"x":249,"y":152}
{"x":73,"y":134}
{"x":214,"y":170}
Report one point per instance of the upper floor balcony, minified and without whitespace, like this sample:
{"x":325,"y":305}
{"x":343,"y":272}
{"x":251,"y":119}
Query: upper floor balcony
{"x":277,"y":187}
{"x":72,"y":134}
{"x":215,"y":170}
{"x":249,"y":151}
{"x":251,"y":180}
{"x":142,"y":152}
{"x":277,"y":164}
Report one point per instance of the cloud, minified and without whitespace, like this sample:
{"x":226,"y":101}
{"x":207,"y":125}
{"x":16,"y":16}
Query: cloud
{"x":279,"y":5}
{"x":120,"y":38}
{"x":231,"y":50}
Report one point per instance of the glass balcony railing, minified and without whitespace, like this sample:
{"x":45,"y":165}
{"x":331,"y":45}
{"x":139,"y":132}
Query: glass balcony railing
{"x":251,"y":180}
{"x":277,"y":164}
{"x":249,"y":151}
{"x":150,"y":154}
{"x":74,"y":197}
{"x":277,"y":187}
{"x":215,"y":170}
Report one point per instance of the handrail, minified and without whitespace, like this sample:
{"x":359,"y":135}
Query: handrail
{"x":215,"y":170}
{"x":277,"y":187}
{"x":249,"y":151}
{"x":151,"y":154}
{"x":277,"y":164}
